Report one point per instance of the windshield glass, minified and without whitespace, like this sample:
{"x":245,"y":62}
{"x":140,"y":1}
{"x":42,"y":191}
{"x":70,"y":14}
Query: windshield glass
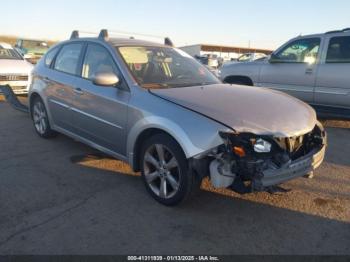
{"x":162,"y":67}
{"x":7,"y":53}
{"x":34,"y":44}
{"x":245,"y":57}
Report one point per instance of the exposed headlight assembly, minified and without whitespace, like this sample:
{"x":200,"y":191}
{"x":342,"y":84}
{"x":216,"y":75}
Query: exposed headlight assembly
{"x":262,"y":146}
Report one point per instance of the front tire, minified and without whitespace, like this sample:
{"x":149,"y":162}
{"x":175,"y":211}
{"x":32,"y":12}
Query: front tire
{"x":41,"y":120}
{"x":165,"y":170}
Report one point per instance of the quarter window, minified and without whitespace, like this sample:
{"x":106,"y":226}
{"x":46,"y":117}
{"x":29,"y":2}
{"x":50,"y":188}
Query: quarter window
{"x":97,"y":60}
{"x":50,"y":56}
{"x":68,"y":58}
{"x":339,"y":50}
{"x":300,"y":51}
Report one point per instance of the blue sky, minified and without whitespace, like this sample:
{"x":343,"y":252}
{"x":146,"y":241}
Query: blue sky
{"x":266,"y":24}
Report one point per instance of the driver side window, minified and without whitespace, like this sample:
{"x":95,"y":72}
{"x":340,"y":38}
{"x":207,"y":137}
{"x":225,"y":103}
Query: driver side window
{"x":299,"y":51}
{"x":97,"y":60}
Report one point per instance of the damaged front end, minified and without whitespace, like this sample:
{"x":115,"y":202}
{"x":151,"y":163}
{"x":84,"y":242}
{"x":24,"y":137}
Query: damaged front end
{"x":247,"y":162}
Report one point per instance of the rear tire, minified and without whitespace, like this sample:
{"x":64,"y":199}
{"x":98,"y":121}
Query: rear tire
{"x":40,"y":119}
{"x":165,"y":170}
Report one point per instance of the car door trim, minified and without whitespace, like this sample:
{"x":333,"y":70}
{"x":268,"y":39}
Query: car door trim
{"x":59,"y":103}
{"x":95,"y":118}
{"x":92,"y":144}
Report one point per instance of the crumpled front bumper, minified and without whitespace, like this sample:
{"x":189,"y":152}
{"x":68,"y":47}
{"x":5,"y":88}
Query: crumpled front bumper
{"x":297,"y":168}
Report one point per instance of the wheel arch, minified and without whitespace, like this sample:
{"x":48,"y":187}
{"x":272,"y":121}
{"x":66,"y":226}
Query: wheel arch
{"x":137,"y":135}
{"x":32,"y":97}
{"x":233,"y":79}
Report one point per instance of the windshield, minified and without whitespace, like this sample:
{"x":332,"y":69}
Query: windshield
{"x":7,"y":53}
{"x":34,"y":44}
{"x":162,"y":67}
{"x":245,"y":57}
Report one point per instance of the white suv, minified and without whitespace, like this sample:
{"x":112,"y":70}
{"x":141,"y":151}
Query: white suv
{"x":314,"y":68}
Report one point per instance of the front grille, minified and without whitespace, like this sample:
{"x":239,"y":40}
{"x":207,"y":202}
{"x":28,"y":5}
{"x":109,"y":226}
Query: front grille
{"x":13,"y":78}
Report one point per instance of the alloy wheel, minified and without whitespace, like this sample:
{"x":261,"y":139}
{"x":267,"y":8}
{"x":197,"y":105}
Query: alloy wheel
{"x":162,"y":171}
{"x":40,"y":117}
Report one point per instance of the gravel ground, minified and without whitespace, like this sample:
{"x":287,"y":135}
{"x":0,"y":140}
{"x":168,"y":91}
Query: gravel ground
{"x":61,"y":197}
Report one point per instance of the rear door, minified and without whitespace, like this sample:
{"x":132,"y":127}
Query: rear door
{"x":292,"y":69}
{"x":61,"y":82}
{"x":333,"y":78}
{"x":100,"y":112}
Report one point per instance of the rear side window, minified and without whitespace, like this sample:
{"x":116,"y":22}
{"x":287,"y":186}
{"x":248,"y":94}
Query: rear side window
{"x":97,"y":60}
{"x":50,"y":56}
{"x":67,"y":59}
{"x":339,"y":50}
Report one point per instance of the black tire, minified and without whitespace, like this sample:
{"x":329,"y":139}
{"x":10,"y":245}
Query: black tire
{"x":38,"y":107}
{"x":181,"y":174}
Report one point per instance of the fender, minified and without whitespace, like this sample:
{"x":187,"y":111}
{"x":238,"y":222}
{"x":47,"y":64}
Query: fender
{"x":169,"y":127}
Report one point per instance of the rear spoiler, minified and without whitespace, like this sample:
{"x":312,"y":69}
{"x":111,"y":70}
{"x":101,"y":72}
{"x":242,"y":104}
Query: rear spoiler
{"x":12,"y":99}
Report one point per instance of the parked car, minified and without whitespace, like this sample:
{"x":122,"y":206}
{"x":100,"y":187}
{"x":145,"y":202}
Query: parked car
{"x":209,"y":60}
{"x":249,"y":57}
{"x":32,"y":50}
{"x":14,"y":70}
{"x":313,"y":68}
{"x":158,"y":109}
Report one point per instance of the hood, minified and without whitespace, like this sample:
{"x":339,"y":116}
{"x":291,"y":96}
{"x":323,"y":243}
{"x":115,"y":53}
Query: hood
{"x":246,"y":109}
{"x":10,"y":66}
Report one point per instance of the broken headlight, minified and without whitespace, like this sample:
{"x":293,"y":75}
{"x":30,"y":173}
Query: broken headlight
{"x":261,"y":146}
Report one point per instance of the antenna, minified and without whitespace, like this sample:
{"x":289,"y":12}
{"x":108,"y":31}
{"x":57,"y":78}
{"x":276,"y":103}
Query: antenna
{"x":75,"y":34}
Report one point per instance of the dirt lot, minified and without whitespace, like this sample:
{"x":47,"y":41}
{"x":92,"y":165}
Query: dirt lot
{"x":60,"y":197}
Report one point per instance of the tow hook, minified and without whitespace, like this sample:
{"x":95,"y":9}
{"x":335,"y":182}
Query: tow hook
{"x":12,"y":99}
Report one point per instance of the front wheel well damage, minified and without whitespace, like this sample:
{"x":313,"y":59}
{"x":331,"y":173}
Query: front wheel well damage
{"x":241,"y":164}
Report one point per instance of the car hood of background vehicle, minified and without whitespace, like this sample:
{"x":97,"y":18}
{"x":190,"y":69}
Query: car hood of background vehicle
{"x":246,"y":109}
{"x":12,"y":66}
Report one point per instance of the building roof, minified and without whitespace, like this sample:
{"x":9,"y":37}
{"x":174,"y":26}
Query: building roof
{"x":231,"y":49}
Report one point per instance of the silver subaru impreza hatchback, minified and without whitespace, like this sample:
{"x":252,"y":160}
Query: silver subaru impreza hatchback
{"x":158,"y":109}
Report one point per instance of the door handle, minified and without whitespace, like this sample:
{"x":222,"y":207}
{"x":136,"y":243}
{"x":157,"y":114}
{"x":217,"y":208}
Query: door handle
{"x":78,"y":91}
{"x":309,"y":71}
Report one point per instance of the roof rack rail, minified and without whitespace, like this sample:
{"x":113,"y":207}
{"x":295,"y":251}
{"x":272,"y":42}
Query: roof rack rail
{"x":75,"y":34}
{"x":338,"y":31}
{"x":104,"y":35}
{"x":168,"y":42}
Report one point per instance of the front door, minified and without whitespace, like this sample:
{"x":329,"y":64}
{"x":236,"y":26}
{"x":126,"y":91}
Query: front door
{"x":293,"y":69}
{"x":333,"y":78}
{"x":100,"y":112}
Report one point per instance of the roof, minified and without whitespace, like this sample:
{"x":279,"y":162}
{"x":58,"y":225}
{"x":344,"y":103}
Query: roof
{"x":126,"y":41}
{"x":133,"y":42}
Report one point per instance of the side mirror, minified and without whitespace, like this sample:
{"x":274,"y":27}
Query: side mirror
{"x":106,"y":79}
